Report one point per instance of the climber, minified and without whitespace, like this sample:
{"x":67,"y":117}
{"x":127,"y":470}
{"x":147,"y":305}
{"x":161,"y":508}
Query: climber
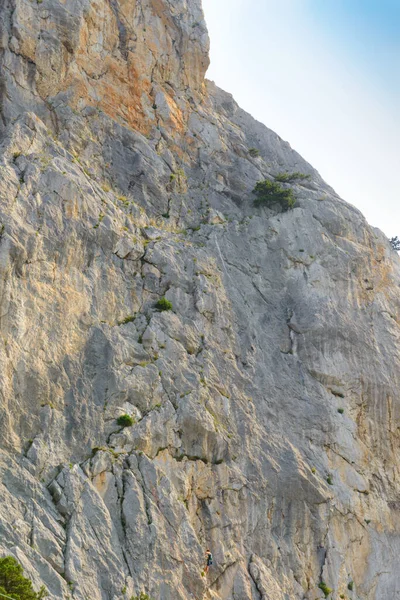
{"x":209,"y":558}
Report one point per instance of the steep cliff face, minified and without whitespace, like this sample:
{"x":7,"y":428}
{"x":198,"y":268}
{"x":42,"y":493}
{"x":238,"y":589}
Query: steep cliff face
{"x":265,"y":403}
{"x":121,"y":57}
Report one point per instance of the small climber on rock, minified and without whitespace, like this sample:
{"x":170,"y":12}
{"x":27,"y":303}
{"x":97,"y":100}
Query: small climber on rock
{"x":209,"y":559}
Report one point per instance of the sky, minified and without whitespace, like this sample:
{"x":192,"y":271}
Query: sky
{"x":325,"y":75}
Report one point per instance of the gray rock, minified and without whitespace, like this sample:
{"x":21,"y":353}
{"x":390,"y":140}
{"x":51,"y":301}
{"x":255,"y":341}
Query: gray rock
{"x":125,"y":177}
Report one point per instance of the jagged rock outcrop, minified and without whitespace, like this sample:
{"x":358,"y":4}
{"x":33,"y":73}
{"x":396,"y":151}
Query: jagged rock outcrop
{"x":124,"y":178}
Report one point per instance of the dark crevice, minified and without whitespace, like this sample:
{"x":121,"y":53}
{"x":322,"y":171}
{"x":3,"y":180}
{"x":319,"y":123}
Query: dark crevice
{"x":123,"y":35}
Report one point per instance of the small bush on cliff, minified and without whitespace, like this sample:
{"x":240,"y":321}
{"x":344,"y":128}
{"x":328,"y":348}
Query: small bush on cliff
{"x":270,"y":192}
{"x":14,"y":584}
{"x":254,"y":152}
{"x":291,"y":177}
{"x":163,"y":304}
{"x":326,"y":590}
{"x":142,"y":596}
{"x":395,"y":243}
{"x":125,"y":421}
{"x":126,"y":320}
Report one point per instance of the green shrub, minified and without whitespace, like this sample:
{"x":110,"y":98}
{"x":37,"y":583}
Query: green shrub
{"x":142,"y":596}
{"x":270,"y":192}
{"x":329,"y":480}
{"x":254,"y":152}
{"x":163,"y":304}
{"x":350,"y":586}
{"x":125,"y":421}
{"x":291,"y":177}
{"x":14,"y":584}
{"x":128,"y":319}
{"x":340,"y":410}
{"x":326,"y":590}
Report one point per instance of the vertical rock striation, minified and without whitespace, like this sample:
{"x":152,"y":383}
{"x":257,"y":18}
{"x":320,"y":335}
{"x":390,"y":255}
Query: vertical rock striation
{"x":265,"y":403}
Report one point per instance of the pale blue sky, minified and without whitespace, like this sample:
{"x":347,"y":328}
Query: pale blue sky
{"x":325,"y":75}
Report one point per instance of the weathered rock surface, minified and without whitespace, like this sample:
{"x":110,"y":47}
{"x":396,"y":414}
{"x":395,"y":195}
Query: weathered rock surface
{"x":124,"y":177}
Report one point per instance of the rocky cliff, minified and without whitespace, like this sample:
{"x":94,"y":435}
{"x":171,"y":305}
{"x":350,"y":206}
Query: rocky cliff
{"x":265,"y":404}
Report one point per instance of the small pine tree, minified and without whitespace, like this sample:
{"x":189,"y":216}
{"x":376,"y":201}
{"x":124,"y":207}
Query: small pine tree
{"x":14,"y":584}
{"x":291,"y":177}
{"x":269,"y":193}
{"x":395,"y":243}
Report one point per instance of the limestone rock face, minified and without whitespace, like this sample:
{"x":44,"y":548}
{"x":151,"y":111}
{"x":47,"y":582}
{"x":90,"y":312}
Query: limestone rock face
{"x":265,"y":404}
{"x":123,"y":57}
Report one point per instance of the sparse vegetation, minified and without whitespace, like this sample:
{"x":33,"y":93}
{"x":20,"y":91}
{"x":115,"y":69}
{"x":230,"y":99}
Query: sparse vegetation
{"x":269,"y":193}
{"x":340,"y":410}
{"x":291,"y":177}
{"x":325,"y":589}
{"x":14,"y":584}
{"x":163,"y":304}
{"x":350,"y":586}
{"x":395,"y":243}
{"x":180,"y":180}
{"x":128,"y":319}
{"x":254,"y":152}
{"x":101,"y":217}
{"x":329,"y":480}
{"x":125,"y":421}
{"x":124,"y":200}
{"x":142,"y":596}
